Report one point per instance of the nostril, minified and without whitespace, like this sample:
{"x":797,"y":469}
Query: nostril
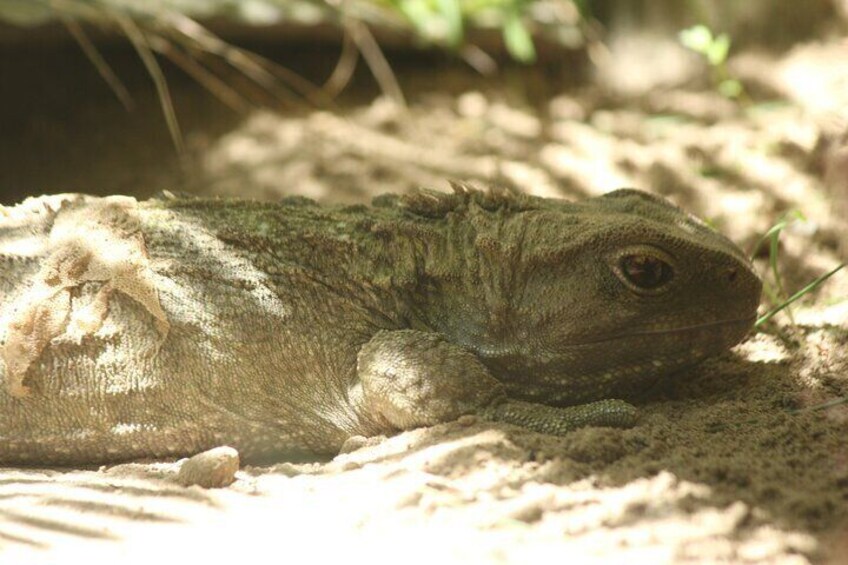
{"x":731,"y":274}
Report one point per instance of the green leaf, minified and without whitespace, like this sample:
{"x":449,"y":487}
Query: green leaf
{"x":517,"y":39}
{"x":451,"y":11}
{"x":697,"y":38}
{"x":717,"y":50}
{"x":418,"y":13}
{"x":730,"y":88}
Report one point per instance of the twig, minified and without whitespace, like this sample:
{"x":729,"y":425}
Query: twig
{"x":262,"y":72}
{"x":344,"y":69}
{"x":822,"y":406}
{"x":142,"y":47}
{"x":103,"y":69}
{"x":376,"y":61}
{"x":216,"y":86}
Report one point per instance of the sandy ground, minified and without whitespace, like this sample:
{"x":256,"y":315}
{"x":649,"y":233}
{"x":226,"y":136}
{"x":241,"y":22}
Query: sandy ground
{"x":729,"y":462}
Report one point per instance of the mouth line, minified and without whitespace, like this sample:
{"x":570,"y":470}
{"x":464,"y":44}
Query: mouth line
{"x":500,"y":352}
{"x":683,"y":329}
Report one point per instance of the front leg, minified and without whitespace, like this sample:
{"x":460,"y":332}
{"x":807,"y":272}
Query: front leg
{"x":413,"y":379}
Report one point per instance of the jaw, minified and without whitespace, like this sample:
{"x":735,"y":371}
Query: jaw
{"x":621,"y":366}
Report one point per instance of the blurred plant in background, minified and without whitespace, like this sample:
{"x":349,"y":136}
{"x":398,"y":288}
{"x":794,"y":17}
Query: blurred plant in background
{"x":440,"y":22}
{"x":170,"y":28}
{"x":445,"y":21}
{"x":715,"y":50}
{"x":176,"y":30}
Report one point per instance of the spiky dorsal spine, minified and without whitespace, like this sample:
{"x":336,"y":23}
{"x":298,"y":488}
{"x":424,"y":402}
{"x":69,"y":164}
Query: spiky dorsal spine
{"x":431,"y":203}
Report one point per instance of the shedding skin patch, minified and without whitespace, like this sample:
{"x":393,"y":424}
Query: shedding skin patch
{"x":96,"y":240}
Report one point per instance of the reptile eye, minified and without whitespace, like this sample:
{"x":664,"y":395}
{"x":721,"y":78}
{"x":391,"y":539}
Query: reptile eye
{"x":645,"y":272}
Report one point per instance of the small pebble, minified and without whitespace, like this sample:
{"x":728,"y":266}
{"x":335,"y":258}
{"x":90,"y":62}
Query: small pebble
{"x":215,"y":468}
{"x":566,"y":108}
{"x":518,"y":123}
{"x":472,"y":105}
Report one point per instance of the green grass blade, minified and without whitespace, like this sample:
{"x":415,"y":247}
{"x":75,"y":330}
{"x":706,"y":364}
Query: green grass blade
{"x":809,"y":288}
{"x":772,"y":236}
{"x":829,"y":404}
{"x":779,"y":226}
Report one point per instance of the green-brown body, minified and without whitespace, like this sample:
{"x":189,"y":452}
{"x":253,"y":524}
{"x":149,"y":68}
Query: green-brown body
{"x":166,"y":327}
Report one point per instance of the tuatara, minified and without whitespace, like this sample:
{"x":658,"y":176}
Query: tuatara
{"x":166,"y":327}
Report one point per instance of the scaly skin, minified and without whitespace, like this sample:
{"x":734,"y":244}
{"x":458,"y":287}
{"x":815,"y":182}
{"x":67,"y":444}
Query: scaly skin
{"x":167,"y":327}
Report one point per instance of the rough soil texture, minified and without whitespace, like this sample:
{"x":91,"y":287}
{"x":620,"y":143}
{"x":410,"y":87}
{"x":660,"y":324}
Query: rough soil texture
{"x":729,"y":461}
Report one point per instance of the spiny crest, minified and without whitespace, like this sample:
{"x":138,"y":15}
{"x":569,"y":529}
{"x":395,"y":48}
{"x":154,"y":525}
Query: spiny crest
{"x":435,"y":204}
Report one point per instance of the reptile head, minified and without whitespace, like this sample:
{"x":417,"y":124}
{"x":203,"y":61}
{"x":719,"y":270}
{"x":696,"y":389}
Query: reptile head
{"x":599,"y":298}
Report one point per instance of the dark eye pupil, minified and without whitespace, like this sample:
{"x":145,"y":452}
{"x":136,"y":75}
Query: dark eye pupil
{"x":646,"y":271}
